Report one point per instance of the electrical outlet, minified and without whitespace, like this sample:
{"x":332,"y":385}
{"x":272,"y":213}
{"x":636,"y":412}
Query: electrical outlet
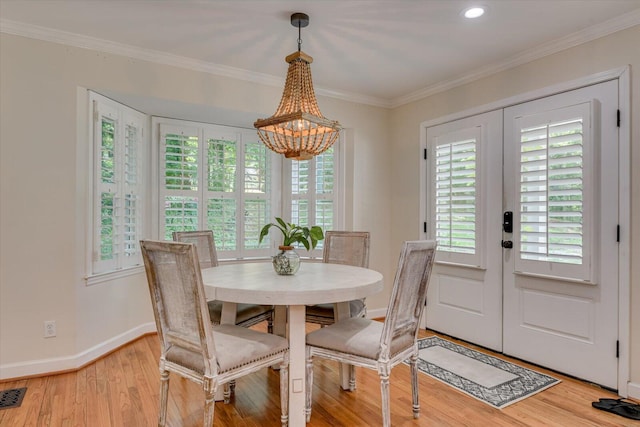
{"x":49,"y":328}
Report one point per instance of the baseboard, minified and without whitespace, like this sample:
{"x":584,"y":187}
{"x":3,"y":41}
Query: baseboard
{"x":376,"y":313}
{"x":61,"y":364}
{"x":633,"y":391}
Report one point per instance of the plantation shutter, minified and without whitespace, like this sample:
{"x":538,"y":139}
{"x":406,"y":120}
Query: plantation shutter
{"x":256,"y":194}
{"x":106,"y":134}
{"x":238,"y":190}
{"x":313,"y":192}
{"x":325,"y":190}
{"x":132,"y":192}
{"x":222,"y":178}
{"x":179,"y":165}
{"x":300,"y":191}
{"x":217,"y":178}
{"x":555,"y":189}
{"x":455,"y":186}
{"x":118,"y":133}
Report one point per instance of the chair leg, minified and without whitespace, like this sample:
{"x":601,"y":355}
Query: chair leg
{"x":210,"y":388}
{"x":352,"y":378}
{"x":309,"y":384}
{"x":384,"y":392}
{"x":270,"y":325}
{"x":284,"y":391}
{"x":413,"y":362}
{"x":226,"y":394}
{"x":164,"y":396}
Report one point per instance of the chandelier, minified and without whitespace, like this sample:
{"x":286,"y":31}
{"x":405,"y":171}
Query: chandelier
{"x":298,"y":129}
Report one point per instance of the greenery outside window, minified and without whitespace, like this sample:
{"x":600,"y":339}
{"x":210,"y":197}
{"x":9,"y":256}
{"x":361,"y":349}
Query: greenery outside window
{"x":218,"y":178}
{"x":224,"y":179}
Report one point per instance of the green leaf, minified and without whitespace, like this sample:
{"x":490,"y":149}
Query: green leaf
{"x":264,"y":232}
{"x":282,"y":223}
{"x":293,"y":233}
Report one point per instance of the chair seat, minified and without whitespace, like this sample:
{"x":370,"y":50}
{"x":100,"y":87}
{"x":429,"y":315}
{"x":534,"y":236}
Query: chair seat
{"x":235,"y":346}
{"x":357,"y":336}
{"x":244,"y":313}
{"x":357,"y":308}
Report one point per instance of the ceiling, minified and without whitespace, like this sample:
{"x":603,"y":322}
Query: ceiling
{"x":378,"y":52}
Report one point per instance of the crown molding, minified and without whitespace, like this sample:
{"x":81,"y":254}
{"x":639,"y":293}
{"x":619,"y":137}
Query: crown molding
{"x":92,"y":43}
{"x":66,"y":38}
{"x":595,"y":32}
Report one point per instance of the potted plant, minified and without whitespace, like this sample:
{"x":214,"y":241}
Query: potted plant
{"x":287,"y":262}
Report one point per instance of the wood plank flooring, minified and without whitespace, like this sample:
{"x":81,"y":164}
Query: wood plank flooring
{"x":121,"y":389}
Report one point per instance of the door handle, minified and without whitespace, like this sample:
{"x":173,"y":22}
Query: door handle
{"x":507,"y":244}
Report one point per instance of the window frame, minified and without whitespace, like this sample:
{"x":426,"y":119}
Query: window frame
{"x":337,"y":196}
{"x":280,"y":189}
{"x":586,"y":269}
{"x":448,"y":137}
{"x":123,"y":117}
{"x":204,"y":132}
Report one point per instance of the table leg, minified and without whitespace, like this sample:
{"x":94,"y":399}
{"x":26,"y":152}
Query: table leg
{"x":341,"y":310}
{"x":280,"y":320}
{"x":297,"y":365}
{"x":279,"y":326}
{"x":228,"y":315}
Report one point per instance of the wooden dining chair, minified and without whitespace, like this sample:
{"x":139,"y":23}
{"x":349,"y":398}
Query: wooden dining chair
{"x":342,"y":247}
{"x":381,"y":346}
{"x":191,"y":346}
{"x":247,"y":315}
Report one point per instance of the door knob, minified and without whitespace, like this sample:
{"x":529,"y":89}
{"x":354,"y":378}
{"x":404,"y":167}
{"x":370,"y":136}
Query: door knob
{"x":507,"y":244}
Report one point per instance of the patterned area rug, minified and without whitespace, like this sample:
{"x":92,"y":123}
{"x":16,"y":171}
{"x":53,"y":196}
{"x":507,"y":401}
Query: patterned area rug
{"x":494,"y":381}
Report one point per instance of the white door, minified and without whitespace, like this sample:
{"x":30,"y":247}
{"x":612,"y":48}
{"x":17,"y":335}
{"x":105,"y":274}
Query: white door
{"x":561,"y":274}
{"x":465,"y":207}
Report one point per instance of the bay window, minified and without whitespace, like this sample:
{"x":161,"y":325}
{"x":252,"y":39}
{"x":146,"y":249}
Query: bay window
{"x":224,"y":179}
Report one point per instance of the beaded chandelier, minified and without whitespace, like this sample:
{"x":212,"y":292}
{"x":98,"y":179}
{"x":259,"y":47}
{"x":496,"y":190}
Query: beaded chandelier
{"x":298,"y":129}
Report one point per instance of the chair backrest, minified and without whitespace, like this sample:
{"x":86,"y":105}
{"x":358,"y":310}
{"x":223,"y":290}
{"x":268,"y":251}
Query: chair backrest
{"x":408,"y":296}
{"x":178,"y":298}
{"x":346,"y":247}
{"x":205,"y":245}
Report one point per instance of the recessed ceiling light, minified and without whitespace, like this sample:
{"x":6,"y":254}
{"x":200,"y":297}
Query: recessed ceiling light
{"x":473,"y":12}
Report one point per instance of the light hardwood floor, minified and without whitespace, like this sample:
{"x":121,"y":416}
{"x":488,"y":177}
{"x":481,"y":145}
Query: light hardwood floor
{"x":121,"y":389}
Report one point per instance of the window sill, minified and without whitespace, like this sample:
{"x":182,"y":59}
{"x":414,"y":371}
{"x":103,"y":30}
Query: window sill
{"x":139,"y":269}
{"x":261,"y":259}
{"x":113,"y":275}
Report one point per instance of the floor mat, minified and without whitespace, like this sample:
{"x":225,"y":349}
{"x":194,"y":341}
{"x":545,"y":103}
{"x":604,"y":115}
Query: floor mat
{"x":489,"y":379}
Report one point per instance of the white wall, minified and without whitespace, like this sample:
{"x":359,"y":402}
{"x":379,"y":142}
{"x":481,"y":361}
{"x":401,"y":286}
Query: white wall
{"x":43,"y":146}
{"x":611,"y":52}
{"x":44,"y":198}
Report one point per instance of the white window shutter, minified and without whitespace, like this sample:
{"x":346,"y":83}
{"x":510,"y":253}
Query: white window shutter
{"x":118,"y":187}
{"x":455,"y":185}
{"x":179,"y":168}
{"x":555,"y":229}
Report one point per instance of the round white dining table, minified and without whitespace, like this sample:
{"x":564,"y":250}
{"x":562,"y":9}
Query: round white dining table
{"x":314,"y":283}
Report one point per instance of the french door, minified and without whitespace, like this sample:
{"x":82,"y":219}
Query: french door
{"x":561,"y":275}
{"x":465,"y":204}
{"x":545,"y":254}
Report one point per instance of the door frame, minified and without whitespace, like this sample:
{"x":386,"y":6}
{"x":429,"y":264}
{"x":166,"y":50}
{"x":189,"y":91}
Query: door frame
{"x":621,"y":74}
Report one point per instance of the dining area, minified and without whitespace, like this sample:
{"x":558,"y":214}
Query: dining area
{"x":206,"y":313}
